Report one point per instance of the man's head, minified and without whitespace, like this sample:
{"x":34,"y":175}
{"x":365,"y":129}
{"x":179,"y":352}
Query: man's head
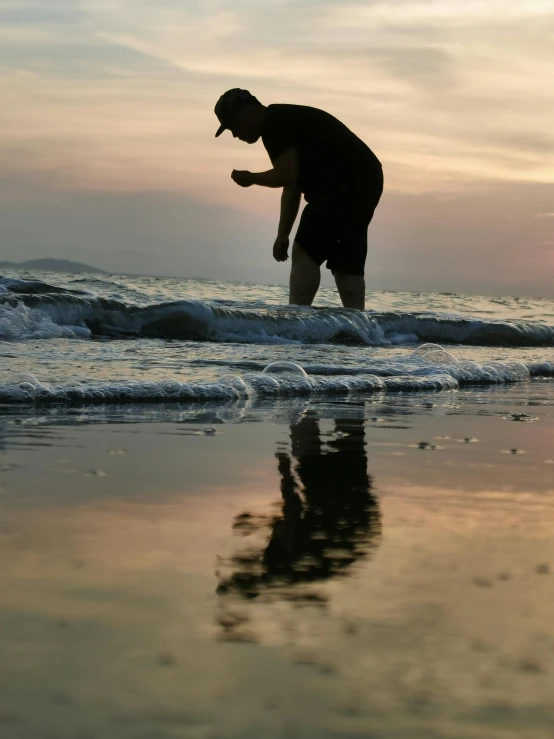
{"x":241,"y":113}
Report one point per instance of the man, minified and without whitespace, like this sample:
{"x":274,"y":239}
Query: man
{"x":341,"y":179}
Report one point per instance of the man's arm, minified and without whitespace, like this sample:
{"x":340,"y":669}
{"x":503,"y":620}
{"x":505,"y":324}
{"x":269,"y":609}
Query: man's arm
{"x":284,"y":173}
{"x":290,"y":203}
{"x":287,"y":167}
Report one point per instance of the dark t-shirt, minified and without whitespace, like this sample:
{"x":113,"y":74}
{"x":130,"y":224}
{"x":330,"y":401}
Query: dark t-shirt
{"x":332,"y":160}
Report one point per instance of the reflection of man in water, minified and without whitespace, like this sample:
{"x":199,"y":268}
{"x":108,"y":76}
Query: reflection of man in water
{"x":329,"y":516}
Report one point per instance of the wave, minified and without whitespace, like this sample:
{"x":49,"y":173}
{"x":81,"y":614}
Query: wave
{"x":32,"y":287}
{"x":429,"y":368}
{"x":90,"y":280}
{"x":35,"y":310}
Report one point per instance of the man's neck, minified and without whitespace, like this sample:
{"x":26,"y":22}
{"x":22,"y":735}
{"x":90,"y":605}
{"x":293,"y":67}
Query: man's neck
{"x":262,"y":116}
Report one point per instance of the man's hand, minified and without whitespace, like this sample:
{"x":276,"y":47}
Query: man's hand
{"x":242,"y":177}
{"x":281,"y":249}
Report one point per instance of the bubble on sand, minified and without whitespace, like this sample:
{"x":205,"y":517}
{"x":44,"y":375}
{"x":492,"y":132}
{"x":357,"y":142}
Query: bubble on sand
{"x":23,"y":378}
{"x":434,"y":354}
{"x":234,"y":381}
{"x":263,"y":383}
{"x":25,"y":386}
{"x":422,"y":348}
{"x":285,"y":368}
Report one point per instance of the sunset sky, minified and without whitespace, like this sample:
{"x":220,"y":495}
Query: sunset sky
{"x":108,"y":155}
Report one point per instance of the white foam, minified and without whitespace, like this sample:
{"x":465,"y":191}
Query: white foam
{"x":234,"y":381}
{"x":44,"y":311}
{"x":286,"y":379}
{"x":19,"y":323}
{"x":434,"y":354}
{"x":33,"y":310}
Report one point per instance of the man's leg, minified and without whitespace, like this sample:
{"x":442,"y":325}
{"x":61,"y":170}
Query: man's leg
{"x":304,"y":277}
{"x":351,"y":289}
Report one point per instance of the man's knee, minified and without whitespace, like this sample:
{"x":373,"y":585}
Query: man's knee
{"x":304,"y":277}
{"x":351,"y":289}
{"x":303,"y":265}
{"x":347,"y":278}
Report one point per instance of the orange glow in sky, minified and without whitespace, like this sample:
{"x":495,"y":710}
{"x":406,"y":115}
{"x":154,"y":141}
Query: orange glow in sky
{"x":114,"y":99}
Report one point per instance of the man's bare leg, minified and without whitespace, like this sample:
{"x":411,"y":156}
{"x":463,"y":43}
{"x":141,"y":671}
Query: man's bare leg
{"x":305,"y":276}
{"x":351,"y":289}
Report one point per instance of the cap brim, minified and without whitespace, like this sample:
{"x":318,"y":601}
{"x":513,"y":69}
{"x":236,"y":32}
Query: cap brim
{"x":220,"y":130}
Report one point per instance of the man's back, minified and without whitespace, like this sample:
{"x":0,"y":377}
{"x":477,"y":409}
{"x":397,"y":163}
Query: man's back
{"x":332,"y":160}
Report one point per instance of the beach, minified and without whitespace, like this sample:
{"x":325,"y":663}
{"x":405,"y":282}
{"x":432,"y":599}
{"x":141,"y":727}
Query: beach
{"x":353,"y":567}
{"x":276,"y":370}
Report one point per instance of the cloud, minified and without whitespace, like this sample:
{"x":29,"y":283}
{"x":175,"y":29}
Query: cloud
{"x":453,"y":76}
{"x":35,"y":12}
{"x":450,"y":84}
{"x":117,"y":96}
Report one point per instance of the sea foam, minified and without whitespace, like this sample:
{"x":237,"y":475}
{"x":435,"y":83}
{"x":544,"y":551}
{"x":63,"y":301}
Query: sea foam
{"x":30,"y":315}
{"x":417,"y":372}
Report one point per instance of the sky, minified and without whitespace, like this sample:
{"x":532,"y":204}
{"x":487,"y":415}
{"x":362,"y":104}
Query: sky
{"x":108,"y":155}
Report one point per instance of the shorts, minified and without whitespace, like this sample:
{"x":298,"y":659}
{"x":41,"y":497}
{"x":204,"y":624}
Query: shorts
{"x":334,"y":229}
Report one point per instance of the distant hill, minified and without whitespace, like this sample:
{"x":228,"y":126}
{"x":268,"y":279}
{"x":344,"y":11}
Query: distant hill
{"x":53,"y":265}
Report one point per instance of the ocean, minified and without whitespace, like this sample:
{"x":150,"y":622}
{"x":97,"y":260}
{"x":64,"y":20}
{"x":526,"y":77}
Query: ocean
{"x":116,"y":339}
{"x":224,"y":517}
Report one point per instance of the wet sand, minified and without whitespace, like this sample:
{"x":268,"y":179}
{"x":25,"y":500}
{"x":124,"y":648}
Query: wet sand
{"x":381,"y":569}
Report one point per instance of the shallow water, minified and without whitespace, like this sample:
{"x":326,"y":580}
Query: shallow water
{"x":377,"y":567}
{"x":224,"y":517}
{"x":71,"y":338}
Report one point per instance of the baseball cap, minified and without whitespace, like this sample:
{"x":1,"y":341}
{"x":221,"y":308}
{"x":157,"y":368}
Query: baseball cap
{"x":228,"y":104}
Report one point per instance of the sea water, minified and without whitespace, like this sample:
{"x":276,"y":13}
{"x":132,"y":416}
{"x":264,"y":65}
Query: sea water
{"x":119,"y":339}
{"x":337,"y":525}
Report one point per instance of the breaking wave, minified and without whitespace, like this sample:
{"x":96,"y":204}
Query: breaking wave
{"x":429,"y":368}
{"x":31,"y":309}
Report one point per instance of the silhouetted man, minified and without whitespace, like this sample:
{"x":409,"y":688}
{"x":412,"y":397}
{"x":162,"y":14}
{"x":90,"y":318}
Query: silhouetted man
{"x":316,"y":155}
